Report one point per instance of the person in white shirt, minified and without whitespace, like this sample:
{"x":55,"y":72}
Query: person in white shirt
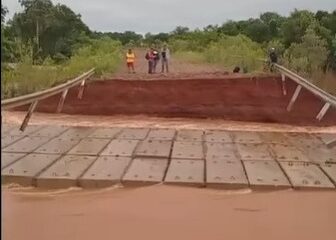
{"x":165,"y":55}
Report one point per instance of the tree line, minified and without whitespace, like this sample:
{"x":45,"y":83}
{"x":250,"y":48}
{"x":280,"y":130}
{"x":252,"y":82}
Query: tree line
{"x":47,"y":30}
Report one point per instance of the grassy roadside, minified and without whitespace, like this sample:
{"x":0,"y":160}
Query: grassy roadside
{"x":104,"y":55}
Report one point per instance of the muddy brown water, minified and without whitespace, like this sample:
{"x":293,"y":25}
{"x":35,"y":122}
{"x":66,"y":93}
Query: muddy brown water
{"x":228,"y":98}
{"x":166,"y":212}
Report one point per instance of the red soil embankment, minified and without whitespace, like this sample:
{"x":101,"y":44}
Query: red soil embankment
{"x":228,"y":98}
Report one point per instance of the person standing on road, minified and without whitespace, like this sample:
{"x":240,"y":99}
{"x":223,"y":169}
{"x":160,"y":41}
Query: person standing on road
{"x":150,"y":58}
{"x":273,"y":59}
{"x":165,"y":55}
{"x":130,"y":58}
{"x":156,"y":59}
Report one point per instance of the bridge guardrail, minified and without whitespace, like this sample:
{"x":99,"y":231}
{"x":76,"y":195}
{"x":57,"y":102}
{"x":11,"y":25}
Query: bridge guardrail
{"x":329,"y":99}
{"x":34,"y":98}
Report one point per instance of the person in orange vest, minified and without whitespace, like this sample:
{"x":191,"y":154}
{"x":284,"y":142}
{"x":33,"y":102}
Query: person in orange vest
{"x":130,"y":58}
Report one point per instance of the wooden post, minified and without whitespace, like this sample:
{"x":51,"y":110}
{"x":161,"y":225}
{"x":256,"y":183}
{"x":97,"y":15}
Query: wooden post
{"x":29,"y":114}
{"x":323,"y":111}
{"x":81,"y":90}
{"x":61,"y":102}
{"x":283,"y":81}
{"x":294,"y":97}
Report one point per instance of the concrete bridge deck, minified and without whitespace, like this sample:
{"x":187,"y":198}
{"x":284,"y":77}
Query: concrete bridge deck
{"x":59,"y":157}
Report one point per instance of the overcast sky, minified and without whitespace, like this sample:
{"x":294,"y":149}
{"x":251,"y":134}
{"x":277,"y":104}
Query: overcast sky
{"x":154,"y":16}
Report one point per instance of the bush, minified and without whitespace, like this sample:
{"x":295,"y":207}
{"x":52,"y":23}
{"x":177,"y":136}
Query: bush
{"x":103,"y":54}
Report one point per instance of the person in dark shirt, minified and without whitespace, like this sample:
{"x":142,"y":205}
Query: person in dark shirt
{"x":273,"y":59}
{"x":273,"y":56}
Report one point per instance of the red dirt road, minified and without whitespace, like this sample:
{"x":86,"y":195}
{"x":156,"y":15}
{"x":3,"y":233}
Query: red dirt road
{"x":229,"y":98}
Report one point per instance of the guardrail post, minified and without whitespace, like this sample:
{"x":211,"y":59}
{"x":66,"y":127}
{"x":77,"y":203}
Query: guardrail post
{"x":81,"y":90}
{"x":323,"y":111}
{"x":29,"y":114}
{"x":294,"y":97}
{"x":283,"y":80}
{"x":61,"y":102}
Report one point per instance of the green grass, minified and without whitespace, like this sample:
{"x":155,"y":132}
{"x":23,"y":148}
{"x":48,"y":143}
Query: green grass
{"x":103,"y":55}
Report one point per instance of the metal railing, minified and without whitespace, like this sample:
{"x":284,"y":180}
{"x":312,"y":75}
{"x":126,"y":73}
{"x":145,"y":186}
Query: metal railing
{"x":34,"y":98}
{"x":329,"y":99}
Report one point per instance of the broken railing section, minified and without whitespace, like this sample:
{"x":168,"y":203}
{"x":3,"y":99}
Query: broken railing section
{"x":34,"y":98}
{"x":330,"y":100}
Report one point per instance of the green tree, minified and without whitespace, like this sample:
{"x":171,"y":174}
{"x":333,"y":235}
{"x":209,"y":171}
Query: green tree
{"x":309,"y":56}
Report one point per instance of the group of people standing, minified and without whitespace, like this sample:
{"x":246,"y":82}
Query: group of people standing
{"x":153,"y":56}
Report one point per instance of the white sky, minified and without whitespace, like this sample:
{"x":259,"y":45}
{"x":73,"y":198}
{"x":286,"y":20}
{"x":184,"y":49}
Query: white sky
{"x":154,"y":16}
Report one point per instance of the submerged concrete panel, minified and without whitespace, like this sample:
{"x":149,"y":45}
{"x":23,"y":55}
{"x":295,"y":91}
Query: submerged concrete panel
{"x":288,"y":153}
{"x":188,"y":150}
{"x":58,"y":146}
{"x":106,"y":171}
{"x":134,"y":133}
{"x":145,"y":171}
{"x":246,"y":137}
{"x":185,"y":172}
{"x":64,"y":172}
{"x":266,"y":175}
{"x":108,"y":133}
{"x":9,"y":158}
{"x":120,"y":147}
{"x":27,"y":168}
{"x":217,"y":136}
{"x":154,"y":148}
{"x":306,"y":175}
{"x":225,"y":174}
{"x":254,"y":152}
{"x":26,"y":144}
{"x":187,"y":135}
{"x":89,"y":146}
{"x":219,"y":151}
{"x":161,"y":134}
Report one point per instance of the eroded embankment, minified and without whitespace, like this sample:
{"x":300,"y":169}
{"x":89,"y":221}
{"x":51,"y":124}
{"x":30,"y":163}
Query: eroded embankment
{"x":228,"y":98}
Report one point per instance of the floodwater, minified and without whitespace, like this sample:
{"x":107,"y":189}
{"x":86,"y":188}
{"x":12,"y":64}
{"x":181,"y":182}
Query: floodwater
{"x":141,"y":121}
{"x":167,"y":212}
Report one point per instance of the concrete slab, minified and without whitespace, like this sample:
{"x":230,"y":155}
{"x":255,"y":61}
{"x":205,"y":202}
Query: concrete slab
{"x":265,"y":175}
{"x":9,"y":158}
{"x":246,"y":137}
{"x":254,"y":152}
{"x":185,"y":172}
{"x":218,"y":136}
{"x":330,"y":170}
{"x":49,"y":131}
{"x":328,"y":139}
{"x":161,"y":134}
{"x":154,"y":148}
{"x":58,"y":146}
{"x":105,"y":171}
{"x":89,"y":146}
{"x":217,"y":151}
{"x":76,"y":133}
{"x":321,"y":154}
{"x":120,"y":147}
{"x":188,"y":150}
{"x":187,"y":135}
{"x":8,"y":140}
{"x":27,"y":168}
{"x":288,"y":153}
{"x":225,"y":174}
{"x":26,"y":144}
{"x":29,"y":130}
{"x":109,"y":133}
{"x":64,"y":172}
{"x":306,"y":175}
{"x":145,"y":171}
{"x":134,"y":133}
{"x":274,"y":137}
{"x":304,"y":140}
{"x":6,"y":128}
